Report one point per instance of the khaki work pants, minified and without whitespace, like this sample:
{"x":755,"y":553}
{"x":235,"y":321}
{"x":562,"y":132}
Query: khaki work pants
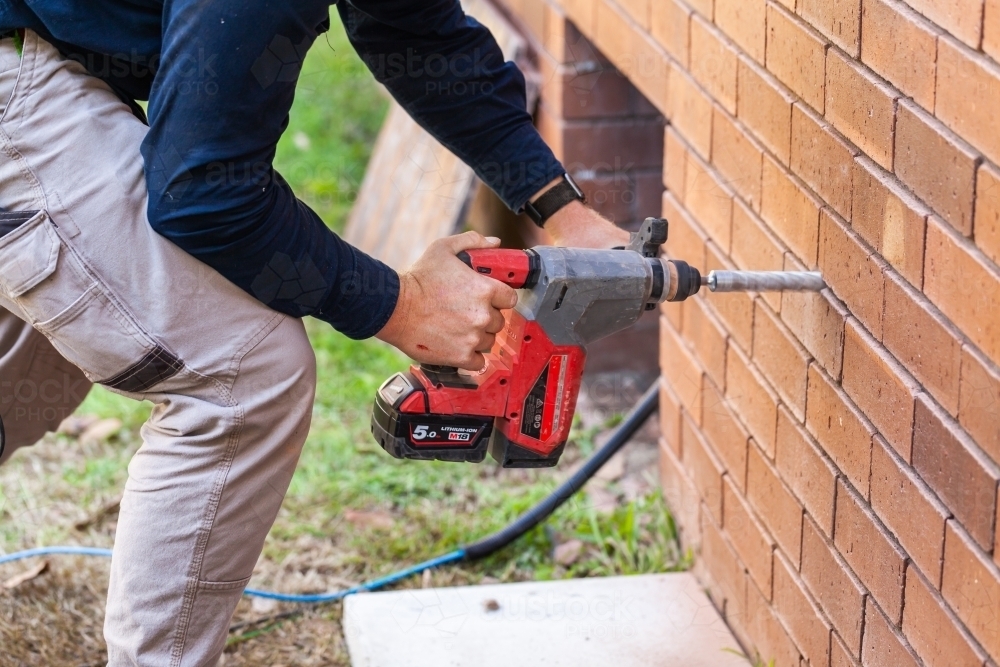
{"x":89,"y":293}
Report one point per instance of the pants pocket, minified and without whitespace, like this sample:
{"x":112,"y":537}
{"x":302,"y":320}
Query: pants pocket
{"x":71,"y":307}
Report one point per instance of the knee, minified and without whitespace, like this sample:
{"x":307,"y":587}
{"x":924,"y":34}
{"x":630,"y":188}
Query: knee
{"x":277,"y":379}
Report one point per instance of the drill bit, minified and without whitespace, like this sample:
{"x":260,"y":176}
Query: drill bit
{"x":764,"y":281}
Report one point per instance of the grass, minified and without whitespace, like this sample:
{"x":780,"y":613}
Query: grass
{"x":404,"y":511}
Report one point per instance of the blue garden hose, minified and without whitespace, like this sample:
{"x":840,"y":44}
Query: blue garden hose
{"x":484,"y":547}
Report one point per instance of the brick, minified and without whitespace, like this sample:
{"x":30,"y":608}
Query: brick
{"x":681,"y":496}
{"x":880,"y":387}
{"x":638,"y":10}
{"x":833,"y":585}
{"x":708,"y":338}
{"x":582,"y":12}
{"x":932,"y":630}
{"x":570,"y":95}
{"x":968,"y":95}
{"x":908,"y":509}
{"x":724,"y":567}
{"x":979,"y":401}
{"x":954,"y":467}
{"x":907,"y":60}
{"x":839,"y":20}
{"x":646,"y":194}
{"x":670,"y":26}
{"x":733,"y":308}
{"x":796,"y":54}
{"x":959,"y":281}
{"x":686,"y":240}
{"x":778,"y":508}
{"x":860,"y":107}
{"x":991,"y":28}
{"x":674,"y":163}
{"x":750,"y":539}
{"x":987,"y":220}
{"x":962,"y":18}
{"x":670,"y":416}
{"x":971,"y":585}
{"x":752,"y":399}
{"x":870,"y":551}
{"x":582,"y":145}
{"x":726,"y":435}
{"x":690,"y":111}
{"x":533,"y":15}
{"x":756,"y":248}
{"x":852,"y":271}
{"x":840,"y":429}
{"x":781,"y":359}
{"x":765,"y":107}
{"x":922,"y":340}
{"x":705,"y":468}
{"x":790,"y":211}
{"x":632,"y":51}
{"x":938,"y":166}
{"x":559,"y":35}
{"x":840,"y":655}
{"x":807,"y":472}
{"x":709,"y":201}
{"x":681,"y":371}
{"x":703,"y":7}
{"x":737,"y":157}
{"x":889,"y":218}
{"x":713,"y":63}
{"x":822,"y":159}
{"x":743,"y":21}
{"x":817,"y":320}
{"x":774,"y":646}
{"x":996,"y":537}
{"x":796,"y":608}
{"x":883,"y":646}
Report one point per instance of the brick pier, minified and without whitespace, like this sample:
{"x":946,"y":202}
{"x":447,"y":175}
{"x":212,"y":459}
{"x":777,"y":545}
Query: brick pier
{"x":831,"y":459}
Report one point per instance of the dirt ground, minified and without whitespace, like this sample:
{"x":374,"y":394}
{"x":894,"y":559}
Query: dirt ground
{"x":55,"y":618}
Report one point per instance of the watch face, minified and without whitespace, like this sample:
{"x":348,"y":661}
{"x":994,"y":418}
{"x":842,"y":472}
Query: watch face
{"x":576,"y":188}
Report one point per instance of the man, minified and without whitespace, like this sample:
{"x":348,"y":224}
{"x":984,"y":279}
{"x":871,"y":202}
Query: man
{"x":179,"y":277}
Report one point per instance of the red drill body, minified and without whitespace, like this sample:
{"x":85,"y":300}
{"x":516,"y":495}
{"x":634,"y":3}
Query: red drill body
{"x":526,"y":392}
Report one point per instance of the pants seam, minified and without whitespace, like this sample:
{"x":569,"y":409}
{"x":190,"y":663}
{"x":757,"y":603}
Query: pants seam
{"x":204,"y":533}
{"x":215,"y":498}
{"x":22,"y":83}
{"x":255,"y":340}
{"x":27,"y":174}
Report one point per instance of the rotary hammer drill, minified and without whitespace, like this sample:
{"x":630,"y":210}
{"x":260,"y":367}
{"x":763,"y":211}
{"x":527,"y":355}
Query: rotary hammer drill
{"x":519,"y":407}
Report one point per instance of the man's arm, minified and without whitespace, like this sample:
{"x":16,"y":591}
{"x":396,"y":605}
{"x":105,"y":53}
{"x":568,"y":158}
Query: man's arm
{"x":219,"y":103}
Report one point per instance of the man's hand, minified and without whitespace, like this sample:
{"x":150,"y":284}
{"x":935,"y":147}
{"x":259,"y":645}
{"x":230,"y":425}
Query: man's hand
{"x":579,"y":226}
{"x":447,"y":313}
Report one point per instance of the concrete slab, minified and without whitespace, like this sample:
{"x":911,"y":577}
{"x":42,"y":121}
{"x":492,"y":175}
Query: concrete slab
{"x":662,"y":620}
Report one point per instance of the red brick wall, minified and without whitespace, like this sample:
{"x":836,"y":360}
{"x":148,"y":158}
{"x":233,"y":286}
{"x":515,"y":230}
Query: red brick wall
{"x":832,"y":459}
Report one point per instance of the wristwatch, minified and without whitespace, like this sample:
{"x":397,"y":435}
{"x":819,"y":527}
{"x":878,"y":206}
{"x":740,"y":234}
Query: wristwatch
{"x":554,"y":200}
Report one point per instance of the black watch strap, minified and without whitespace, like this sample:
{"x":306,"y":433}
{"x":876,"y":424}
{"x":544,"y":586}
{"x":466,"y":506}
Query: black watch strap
{"x":554,"y":200}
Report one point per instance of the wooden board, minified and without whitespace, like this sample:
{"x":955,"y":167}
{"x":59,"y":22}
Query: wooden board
{"x":415,"y":190}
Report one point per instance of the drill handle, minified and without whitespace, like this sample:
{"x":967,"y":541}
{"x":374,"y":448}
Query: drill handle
{"x":517,"y":268}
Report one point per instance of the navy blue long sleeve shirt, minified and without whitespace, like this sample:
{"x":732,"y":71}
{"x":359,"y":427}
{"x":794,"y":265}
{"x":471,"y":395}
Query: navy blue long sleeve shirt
{"x":220,"y":77}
